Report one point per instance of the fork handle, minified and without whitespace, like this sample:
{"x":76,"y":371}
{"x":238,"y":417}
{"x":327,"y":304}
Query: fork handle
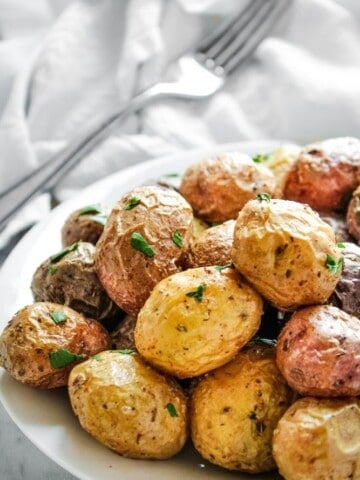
{"x":45,"y":177}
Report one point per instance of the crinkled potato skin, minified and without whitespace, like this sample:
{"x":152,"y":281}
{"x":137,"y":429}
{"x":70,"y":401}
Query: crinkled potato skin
{"x":234,"y":410}
{"x":319,"y":439}
{"x":353,"y":215}
{"x":122,"y":402}
{"x":212,"y":247}
{"x":75,"y":283}
{"x":81,"y":227}
{"x":31,"y":335}
{"x":281,"y":248}
{"x":129,"y":275}
{"x":325,"y":173}
{"x":217,"y":188}
{"x":318,"y":352}
{"x":186,"y":337}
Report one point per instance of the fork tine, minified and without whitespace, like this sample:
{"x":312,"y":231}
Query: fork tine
{"x":241,"y":48}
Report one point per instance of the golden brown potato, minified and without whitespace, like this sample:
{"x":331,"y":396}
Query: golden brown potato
{"x":128,"y":406}
{"x":319,"y":439}
{"x":85,"y":224}
{"x":218,"y":187}
{"x":287,"y":252}
{"x":197,"y":320}
{"x":212,"y":247}
{"x":234,"y":410}
{"x":325,"y":173}
{"x":144,"y":241}
{"x":353,"y":215}
{"x":280,"y":161}
{"x":69,"y":278}
{"x":43,"y":341}
{"x":318,"y":352}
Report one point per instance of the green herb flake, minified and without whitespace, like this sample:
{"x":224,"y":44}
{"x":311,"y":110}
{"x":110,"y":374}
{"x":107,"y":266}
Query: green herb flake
{"x":125,"y":351}
{"x":97,"y":357}
{"x":101,"y":218}
{"x":58,"y":317}
{"x":198,"y":293}
{"x":220,"y":268}
{"x":132,"y":203}
{"x":52,"y":269}
{"x":177,"y":239}
{"x":62,"y":357}
{"x":171,"y":175}
{"x":340,"y":245}
{"x":260,"y":157}
{"x":264,"y":341}
{"x":58,"y":256}
{"x":139,"y":243}
{"x":89,"y":209}
{"x":334,"y":265}
{"x":263,"y":197}
{"x":172,"y":410}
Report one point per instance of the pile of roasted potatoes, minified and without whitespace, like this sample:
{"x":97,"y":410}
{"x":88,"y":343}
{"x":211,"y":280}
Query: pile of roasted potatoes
{"x":226,"y":311}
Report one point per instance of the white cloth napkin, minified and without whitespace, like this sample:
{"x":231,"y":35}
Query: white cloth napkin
{"x":64,"y":63}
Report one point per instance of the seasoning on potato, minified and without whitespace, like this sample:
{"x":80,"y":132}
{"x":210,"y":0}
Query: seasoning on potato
{"x":43,"y":341}
{"x":197,"y":320}
{"x":319,"y":439}
{"x":69,"y":277}
{"x":218,"y":187}
{"x":318,"y":352}
{"x":234,"y":410}
{"x":144,"y":241}
{"x":286,"y":252}
{"x":325,"y":173}
{"x":353,"y":215}
{"x":85,"y":224}
{"x":128,"y":406}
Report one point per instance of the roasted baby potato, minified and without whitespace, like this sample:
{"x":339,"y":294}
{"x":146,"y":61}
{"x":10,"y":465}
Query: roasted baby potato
{"x":325,"y":173}
{"x":318,"y":352}
{"x":319,"y":439}
{"x":197,"y":320}
{"x":69,"y":278}
{"x":347,"y":291}
{"x":234,"y":410}
{"x":43,"y":341}
{"x":85,"y":224}
{"x":286,"y":252}
{"x":123,"y":335}
{"x":353,"y":215}
{"x":212,"y":247}
{"x":218,"y":187}
{"x":128,"y":406}
{"x":144,"y":241}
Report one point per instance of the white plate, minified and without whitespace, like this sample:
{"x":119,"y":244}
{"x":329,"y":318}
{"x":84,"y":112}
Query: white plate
{"x":45,"y":417}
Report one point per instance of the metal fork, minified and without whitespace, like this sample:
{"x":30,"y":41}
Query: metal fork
{"x":199,"y":74}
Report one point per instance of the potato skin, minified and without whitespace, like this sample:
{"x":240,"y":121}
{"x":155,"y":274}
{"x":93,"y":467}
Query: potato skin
{"x":74,"y":283}
{"x":31,"y":335}
{"x":122,"y":402}
{"x":218,"y":187}
{"x":235,"y":408}
{"x":212,"y":247}
{"x":318,"y":352}
{"x":85,"y":227}
{"x":186,"y":337}
{"x":318,"y":439}
{"x":280,"y":161}
{"x":325,"y":173}
{"x":281,"y":247}
{"x":128,"y":275}
{"x":353,"y":215}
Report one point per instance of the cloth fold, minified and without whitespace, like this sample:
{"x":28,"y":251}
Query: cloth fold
{"x":63,"y":64}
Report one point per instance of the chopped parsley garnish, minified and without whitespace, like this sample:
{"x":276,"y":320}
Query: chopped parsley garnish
{"x":340,"y":245}
{"x":58,"y":317}
{"x":52,"y":269}
{"x":97,"y":357}
{"x":198,"y":293}
{"x":62,"y":357}
{"x":58,"y":256}
{"x":263,"y":197}
{"x":261,"y":157}
{"x":172,"y":410}
{"x":139,"y":243}
{"x":177,"y":239}
{"x":125,"y":351}
{"x":90,"y":209}
{"x":101,"y":218}
{"x":132,"y":203}
{"x":220,"y":268}
{"x":333,"y":265}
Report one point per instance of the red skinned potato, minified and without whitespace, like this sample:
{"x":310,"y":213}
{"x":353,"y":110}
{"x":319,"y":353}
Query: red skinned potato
{"x":353,"y":215}
{"x":325,"y":173}
{"x":85,"y":224}
{"x":318,"y":352}
{"x":143,"y":242}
